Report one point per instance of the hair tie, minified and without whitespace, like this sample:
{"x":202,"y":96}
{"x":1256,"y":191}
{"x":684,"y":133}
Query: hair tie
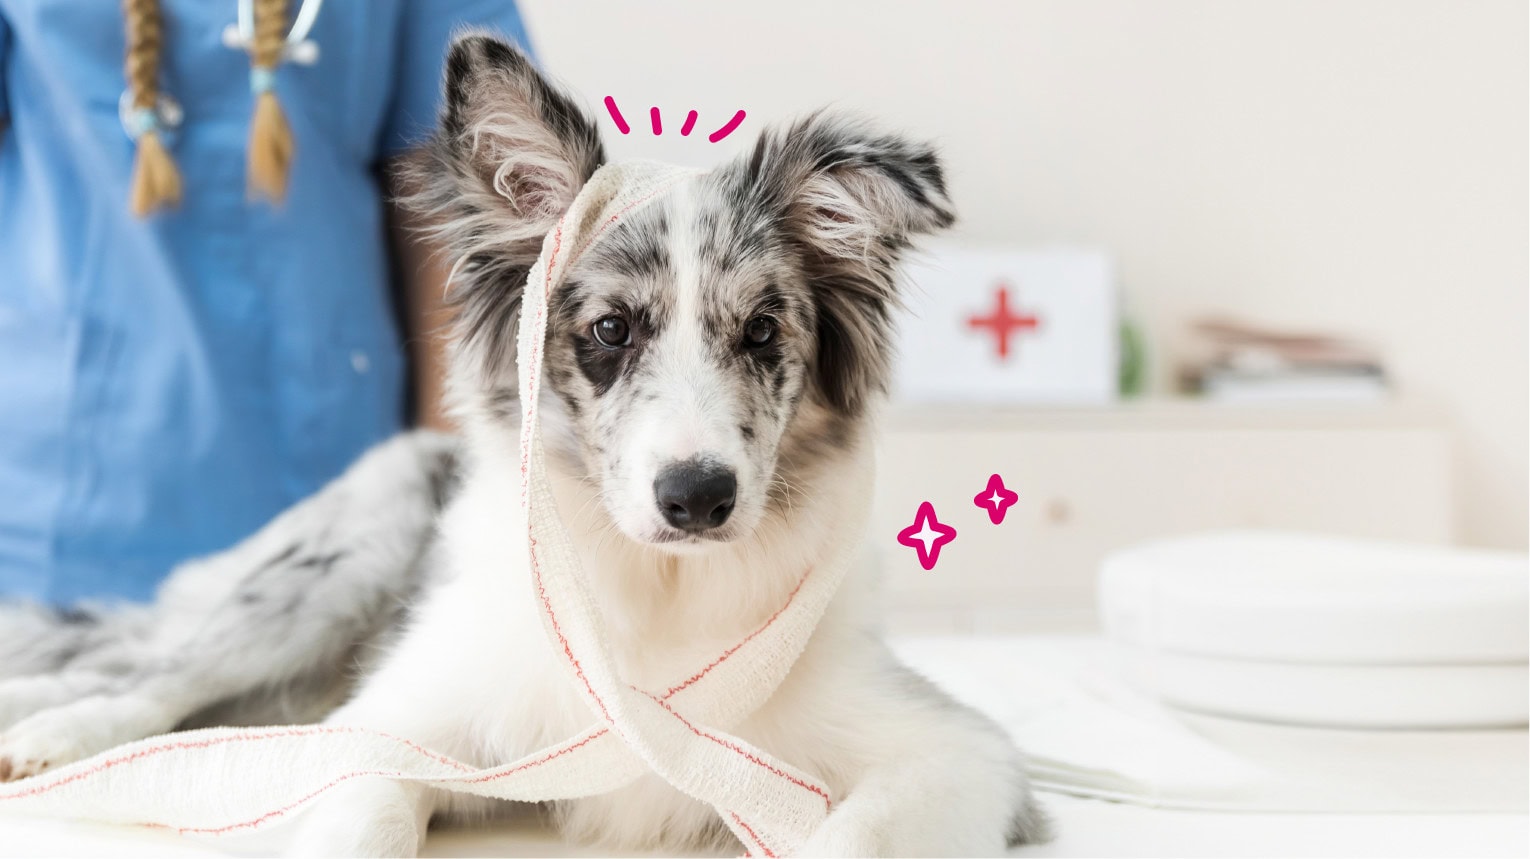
{"x":262,"y":80}
{"x":141,"y":121}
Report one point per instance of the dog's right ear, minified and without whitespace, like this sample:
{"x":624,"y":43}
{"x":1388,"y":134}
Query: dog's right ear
{"x":514,"y":140}
{"x":509,"y":154}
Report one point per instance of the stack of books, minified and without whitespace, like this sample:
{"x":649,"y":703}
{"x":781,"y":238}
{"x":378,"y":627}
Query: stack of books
{"x":1249,"y":364}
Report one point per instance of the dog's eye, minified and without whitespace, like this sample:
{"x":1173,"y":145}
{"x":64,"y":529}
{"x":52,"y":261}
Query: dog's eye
{"x":759,"y":331}
{"x":613,"y":332}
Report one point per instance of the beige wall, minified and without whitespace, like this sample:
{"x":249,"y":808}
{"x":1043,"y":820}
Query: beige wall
{"x":1359,"y":166}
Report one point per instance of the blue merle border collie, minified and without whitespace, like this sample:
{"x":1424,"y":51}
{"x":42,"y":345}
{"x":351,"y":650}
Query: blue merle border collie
{"x":714,"y":365}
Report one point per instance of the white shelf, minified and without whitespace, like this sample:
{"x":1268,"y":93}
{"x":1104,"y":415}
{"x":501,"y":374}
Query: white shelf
{"x":1176,"y":413}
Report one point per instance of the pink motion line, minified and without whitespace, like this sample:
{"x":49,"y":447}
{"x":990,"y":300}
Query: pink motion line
{"x":690,"y":123}
{"x":616,"y":115}
{"x":727,"y":129}
{"x":653,"y":117}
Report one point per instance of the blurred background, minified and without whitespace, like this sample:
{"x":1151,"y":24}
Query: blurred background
{"x":1354,"y":171}
{"x":1236,"y":307}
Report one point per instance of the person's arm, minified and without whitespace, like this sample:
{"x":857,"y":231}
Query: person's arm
{"x":422,"y":273}
{"x":426,"y":30}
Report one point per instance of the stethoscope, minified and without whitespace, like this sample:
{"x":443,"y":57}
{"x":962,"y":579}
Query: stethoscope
{"x":239,"y":36}
{"x":299,"y":49}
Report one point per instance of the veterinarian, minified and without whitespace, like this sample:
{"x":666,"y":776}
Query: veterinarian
{"x":198,"y":268}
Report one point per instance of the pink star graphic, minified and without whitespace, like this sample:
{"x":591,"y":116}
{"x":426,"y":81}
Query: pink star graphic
{"x":996,"y":499}
{"x":927,"y":535}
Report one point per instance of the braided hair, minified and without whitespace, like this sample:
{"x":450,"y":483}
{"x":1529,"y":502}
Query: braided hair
{"x":156,"y":182}
{"x":270,"y":150}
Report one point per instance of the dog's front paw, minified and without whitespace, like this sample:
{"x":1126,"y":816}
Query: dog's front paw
{"x":844,"y":836}
{"x":35,"y":745}
{"x":369,"y":817}
{"x":60,"y":735}
{"x":355,"y":836}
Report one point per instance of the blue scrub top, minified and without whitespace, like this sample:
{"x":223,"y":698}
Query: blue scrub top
{"x":168,"y":385}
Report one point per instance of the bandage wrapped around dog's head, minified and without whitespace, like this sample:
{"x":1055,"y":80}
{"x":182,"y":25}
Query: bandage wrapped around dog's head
{"x":614,"y":191}
{"x":762,"y":800}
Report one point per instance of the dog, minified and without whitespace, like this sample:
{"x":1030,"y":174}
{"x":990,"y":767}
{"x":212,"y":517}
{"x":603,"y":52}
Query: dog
{"x":713,"y":371}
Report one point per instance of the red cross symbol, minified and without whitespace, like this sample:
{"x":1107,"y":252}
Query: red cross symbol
{"x":1003,"y":322}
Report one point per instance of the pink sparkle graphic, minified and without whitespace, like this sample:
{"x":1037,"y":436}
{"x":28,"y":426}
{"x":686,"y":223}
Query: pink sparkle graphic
{"x":927,"y":535}
{"x":996,"y":499}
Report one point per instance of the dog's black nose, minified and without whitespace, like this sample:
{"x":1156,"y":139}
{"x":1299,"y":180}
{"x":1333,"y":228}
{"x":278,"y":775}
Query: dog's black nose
{"x":694,"y":495}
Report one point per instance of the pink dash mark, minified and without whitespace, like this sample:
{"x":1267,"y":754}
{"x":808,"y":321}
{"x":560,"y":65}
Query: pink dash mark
{"x":996,"y":499}
{"x":690,"y":123}
{"x":653,"y":117}
{"x":728,"y":129}
{"x":927,"y":535}
{"x":616,"y":115}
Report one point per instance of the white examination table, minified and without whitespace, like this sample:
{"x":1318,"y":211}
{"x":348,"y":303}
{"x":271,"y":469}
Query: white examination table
{"x":1336,"y":785}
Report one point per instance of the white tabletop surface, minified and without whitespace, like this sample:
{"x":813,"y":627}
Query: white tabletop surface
{"x":1082,"y":827}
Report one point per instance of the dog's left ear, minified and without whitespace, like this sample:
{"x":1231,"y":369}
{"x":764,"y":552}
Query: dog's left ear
{"x":848,"y":188}
{"x":851,"y":199}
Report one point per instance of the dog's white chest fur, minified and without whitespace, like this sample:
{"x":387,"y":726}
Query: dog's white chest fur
{"x":480,"y":634}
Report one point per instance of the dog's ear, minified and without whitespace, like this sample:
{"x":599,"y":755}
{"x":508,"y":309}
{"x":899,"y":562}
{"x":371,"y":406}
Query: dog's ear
{"x":851,"y":199}
{"x":510,"y":152}
{"x":513,"y":136}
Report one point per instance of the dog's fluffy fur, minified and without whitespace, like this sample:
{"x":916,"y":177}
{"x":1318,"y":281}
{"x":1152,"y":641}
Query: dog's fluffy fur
{"x":799,"y":238}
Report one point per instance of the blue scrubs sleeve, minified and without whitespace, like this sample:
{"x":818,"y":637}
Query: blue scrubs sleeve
{"x":426,"y":32}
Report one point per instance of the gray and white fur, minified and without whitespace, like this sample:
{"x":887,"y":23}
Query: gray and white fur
{"x":714,"y":368}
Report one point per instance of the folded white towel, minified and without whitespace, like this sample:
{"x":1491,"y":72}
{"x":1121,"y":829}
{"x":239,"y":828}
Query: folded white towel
{"x":1088,"y":734}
